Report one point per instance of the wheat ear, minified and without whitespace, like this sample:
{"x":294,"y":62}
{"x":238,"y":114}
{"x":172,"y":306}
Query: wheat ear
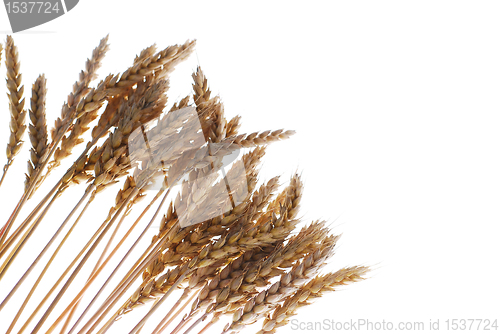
{"x":80,"y":89}
{"x":309,"y":293}
{"x":38,"y":127}
{"x":16,"y":103}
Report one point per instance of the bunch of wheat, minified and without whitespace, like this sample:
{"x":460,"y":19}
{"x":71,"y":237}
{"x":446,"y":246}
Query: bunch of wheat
{"x":232,"y":246}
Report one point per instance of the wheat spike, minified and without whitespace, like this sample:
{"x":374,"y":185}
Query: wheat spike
{"x":162,"y":63}
{"x":262,"y":138}
{"x":16,"y":100}
{"x":233,"y":126}
{"x":267,"y":300}
{"x":38,"y":127}
{"x":80,"y":88}
{"x":309,"y":293}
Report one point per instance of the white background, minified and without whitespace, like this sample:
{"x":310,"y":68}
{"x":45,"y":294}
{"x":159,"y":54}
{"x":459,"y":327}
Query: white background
{"x":396,"y":107}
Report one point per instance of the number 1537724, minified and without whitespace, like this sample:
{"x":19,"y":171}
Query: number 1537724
{"x":25,"y":7}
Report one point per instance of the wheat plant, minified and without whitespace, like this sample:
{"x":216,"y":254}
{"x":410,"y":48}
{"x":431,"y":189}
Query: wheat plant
{"x":237,"y":247}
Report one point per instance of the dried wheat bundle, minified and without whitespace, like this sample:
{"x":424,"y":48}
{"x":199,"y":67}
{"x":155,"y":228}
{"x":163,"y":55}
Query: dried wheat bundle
{"x":233,"y":243}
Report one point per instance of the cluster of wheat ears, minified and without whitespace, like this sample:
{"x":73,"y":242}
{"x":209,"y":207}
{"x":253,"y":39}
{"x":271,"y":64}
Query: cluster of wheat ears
{"x":231,"y":243}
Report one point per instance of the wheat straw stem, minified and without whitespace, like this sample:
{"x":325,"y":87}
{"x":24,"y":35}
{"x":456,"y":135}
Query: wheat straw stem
{"x":82,"y":262}
{"x":118,"y":292}
{"x":111,"y":302}
{"x":64,"y":273}
{"x":158,"y":304}
{"x":4,"y":173}
{"x":121,"y":262}
{"x":14,"y":252}
{"x":47,"y":246}
{"x":108,"y":324}
{"x":207,"y":326}
{"x":97,"y":265}
{"x":28,"y":234}
{"x":41,"y":275}
{"x":184,"y":321}
{"x":101,"y":258}
{"x":72,"y":263}
{"x":89,"y":282}
{"x":197,"y":322}
{"x":166,"y":321}
{"x":25,"y":223}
